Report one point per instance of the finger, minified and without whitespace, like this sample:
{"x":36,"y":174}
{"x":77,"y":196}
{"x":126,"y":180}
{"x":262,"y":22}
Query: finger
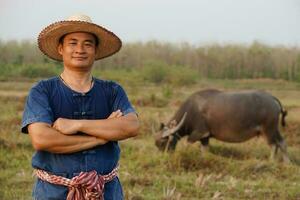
{"x":112,"y":115}
{"x":119,"y":114}
{"x":115,"y":114}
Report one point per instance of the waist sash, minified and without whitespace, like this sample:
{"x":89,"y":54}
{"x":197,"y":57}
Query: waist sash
{"x":87,"y":185}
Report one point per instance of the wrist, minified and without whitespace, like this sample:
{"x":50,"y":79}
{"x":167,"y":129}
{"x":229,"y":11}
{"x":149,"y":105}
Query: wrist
{"x":79,"y":125}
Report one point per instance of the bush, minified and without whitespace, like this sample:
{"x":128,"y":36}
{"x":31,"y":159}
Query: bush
{"x":180,"y":75}
{"x":33,"y":71}
{"x":159,"y":72}
{"x":167,"y":91}
{"x":7,"y":70}
{"x":155,"y":72}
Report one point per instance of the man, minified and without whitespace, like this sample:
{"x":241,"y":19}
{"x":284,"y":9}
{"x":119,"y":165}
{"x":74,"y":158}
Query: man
{"x":75,"y":120}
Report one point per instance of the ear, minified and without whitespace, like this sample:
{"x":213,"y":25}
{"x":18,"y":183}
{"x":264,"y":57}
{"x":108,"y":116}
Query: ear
{"x":162,"y":125}
{"x":60,"y":48}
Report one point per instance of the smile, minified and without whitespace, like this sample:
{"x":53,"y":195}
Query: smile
{"x":80,"y":58}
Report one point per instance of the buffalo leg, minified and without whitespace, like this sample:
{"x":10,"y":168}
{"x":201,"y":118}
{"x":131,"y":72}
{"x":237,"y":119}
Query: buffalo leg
{"x":277,"y":142}
{"x":282,"y":145}
{"x":274,"y":151}
{"x":204,"y":144}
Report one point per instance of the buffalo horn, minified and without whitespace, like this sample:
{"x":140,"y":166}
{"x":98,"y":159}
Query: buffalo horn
{"x":176,"y":128}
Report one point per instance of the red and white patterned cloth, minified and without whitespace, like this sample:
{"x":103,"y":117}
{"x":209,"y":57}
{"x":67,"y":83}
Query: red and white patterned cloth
{"x":85,"y":186}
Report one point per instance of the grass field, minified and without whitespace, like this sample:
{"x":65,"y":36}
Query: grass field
{"x":228,"y":171}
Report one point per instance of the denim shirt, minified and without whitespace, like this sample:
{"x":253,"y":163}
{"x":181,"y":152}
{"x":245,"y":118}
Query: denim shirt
{"x":51,"y":99}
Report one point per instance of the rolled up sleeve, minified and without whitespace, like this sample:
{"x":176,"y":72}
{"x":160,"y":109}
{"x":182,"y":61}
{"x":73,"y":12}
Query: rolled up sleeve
{"x":120,"y":100}
{"x":37,"y":108}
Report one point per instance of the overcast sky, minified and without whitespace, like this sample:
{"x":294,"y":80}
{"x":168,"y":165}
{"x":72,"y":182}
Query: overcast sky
{"x":196,"y":21}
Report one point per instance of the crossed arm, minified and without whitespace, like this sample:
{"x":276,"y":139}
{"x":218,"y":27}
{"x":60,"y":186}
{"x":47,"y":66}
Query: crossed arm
{"x":62,"y":138}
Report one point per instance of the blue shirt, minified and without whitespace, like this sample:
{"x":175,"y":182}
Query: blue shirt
{"x":51,"y":99}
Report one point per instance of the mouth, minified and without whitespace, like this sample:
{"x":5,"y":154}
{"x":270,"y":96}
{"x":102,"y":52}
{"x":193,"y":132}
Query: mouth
{"x":79,"y":58}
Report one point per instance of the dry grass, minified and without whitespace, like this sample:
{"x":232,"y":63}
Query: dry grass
{"x":228,"y":171}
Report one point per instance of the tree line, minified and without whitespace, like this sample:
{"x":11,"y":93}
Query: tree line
{"x":227,"y":61}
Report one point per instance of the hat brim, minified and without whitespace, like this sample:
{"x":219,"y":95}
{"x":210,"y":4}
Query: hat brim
{"x":48,"y":39}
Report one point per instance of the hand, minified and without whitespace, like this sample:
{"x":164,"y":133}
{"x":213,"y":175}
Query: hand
{"x":101,"y":141}
{"x":115,"y":114}
{"x":66,"y":126}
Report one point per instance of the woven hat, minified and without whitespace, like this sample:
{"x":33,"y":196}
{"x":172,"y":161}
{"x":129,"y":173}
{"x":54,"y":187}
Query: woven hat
{"x":48,"y":39}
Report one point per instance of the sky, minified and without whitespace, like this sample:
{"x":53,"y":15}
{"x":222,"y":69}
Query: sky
{"x":274,"y":22}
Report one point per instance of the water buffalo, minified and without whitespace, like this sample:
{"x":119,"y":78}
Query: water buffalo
{"x":225,"y":116}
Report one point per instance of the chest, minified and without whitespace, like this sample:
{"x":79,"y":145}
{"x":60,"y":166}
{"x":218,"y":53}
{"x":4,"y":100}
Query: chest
{"x":71,"y":105}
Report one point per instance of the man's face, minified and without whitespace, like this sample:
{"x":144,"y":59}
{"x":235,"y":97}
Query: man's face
{"x":78,"y":51}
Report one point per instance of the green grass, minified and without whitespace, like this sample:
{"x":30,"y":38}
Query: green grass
{"x":228,"y":171}
{"x":236,"y":171}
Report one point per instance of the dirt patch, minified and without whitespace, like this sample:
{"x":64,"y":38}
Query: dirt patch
{"x":293,"y":115}
{"x":8,"y":93}
{"x":292,"y":134}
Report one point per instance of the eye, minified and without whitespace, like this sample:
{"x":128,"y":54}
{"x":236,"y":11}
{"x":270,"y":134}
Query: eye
{"x":88,"y":44}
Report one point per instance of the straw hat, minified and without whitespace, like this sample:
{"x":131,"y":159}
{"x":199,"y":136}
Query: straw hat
{"x":48,"y":39}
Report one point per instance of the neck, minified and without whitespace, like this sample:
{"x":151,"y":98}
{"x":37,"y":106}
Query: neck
{"x":78,"y":81}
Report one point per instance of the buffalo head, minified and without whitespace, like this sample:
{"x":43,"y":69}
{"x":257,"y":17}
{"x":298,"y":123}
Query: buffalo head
{"x":167,"y":136}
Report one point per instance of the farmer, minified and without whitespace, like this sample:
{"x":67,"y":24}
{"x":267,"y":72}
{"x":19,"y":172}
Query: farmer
{"x":75,"y":120}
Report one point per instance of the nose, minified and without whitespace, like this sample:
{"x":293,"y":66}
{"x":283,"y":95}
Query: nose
{"x":79,"y":48}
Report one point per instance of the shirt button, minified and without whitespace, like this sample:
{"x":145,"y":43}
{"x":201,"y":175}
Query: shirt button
{"x":83,"y":113}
